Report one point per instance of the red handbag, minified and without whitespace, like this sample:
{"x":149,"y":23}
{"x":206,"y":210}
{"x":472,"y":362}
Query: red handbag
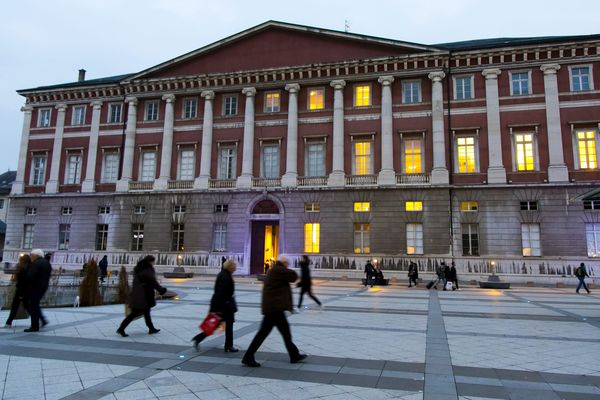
{"x":210,"y":323}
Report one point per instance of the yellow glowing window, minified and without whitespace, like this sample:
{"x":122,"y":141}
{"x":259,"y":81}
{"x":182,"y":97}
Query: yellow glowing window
{"x":466,"y":154}
{"x":311,"y":237}
{"x":362,"y":95}
{"x":524,"y":149}
{"x":586,"y":148}
{"x":412,"y":156}
{"x":363,"y":206}
{"x":414,"y":206}
{"x":316,"y":99}
{"x":362,"y":238}
{"x":468,"y":206}
{"x":362,"y":158}
{"x":272,"y":102}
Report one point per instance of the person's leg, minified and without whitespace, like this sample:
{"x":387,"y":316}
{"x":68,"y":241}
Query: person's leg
{"x":265,"y":328}
{"x":34,"y":312}
{"x":14,"y":307}
{"x":284,"y":328}
{"x":130,"y":317}
{"x":199,"y":337}
{"x":312,"y":296}
{"x":584,"y":285}
{"x":456,"y":284}
{"x":302,"y":290}
{"x":579,"y":286}
{"x":148,"y":320}
{"x":229,"y":333}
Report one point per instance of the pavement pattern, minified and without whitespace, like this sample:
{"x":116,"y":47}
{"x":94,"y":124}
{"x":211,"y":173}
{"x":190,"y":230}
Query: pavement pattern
{"x":376,"y":343}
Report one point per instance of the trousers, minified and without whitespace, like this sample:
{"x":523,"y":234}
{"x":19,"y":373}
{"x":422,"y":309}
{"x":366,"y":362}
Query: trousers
{"x":270,"y":320}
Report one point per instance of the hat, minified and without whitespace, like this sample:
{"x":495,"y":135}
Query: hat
{"x":37,"y":252}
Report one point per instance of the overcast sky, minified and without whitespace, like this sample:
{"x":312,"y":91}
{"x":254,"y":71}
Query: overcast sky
{"x":45,"y":42}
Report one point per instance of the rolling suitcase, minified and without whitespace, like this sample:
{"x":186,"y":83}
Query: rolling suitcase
{"x":430,"y":284}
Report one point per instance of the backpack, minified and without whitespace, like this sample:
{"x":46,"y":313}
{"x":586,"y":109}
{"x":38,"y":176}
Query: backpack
{"x":579,"y":272}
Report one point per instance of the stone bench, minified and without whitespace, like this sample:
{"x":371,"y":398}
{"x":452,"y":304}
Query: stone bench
{"x":178,"y":272}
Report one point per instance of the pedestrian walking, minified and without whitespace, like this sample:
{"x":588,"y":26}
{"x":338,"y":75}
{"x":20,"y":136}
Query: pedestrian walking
{"x":38,"y":279}
{"x":369,"y":272}
{"x":223,"y":304}
{"x":581,"y":274}
{"x":21,"y":296}
{"x":141,"y":298}
{"x":439,"y":273}
{"x":276,"y":299}
{"x":305,"y":283}
{"x":413,"y":274}
{"x":446,"y":275}
{"x":453,"y":276}
{"x":103,"y":266}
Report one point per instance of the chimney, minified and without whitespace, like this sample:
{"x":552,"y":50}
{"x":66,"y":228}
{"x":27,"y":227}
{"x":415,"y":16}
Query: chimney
{"x":81,"y":77}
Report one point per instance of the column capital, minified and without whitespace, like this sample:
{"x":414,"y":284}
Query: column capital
{"x":207,"y":94}
{"x":385,"y":80}
{"x":491,"y":73}
{"x":292,"y":87}
{"x":338,"y":84}
{"x":249,"y":91}
{"x":97,"y":105}
{"x":27,"y":109}
{"x":131,"y":100}
{"x":549,"y":69}
{"x":62,"y":107}
{"x":169,"y":98}
{"x":436,"y":76}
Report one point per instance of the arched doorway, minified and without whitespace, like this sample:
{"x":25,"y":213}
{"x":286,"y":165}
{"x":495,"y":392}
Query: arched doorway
{"x":265,"y":235}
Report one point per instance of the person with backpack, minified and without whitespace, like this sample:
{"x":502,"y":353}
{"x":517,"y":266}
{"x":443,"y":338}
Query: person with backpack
{"x":369,"y":272}
{"x":581,"y":274}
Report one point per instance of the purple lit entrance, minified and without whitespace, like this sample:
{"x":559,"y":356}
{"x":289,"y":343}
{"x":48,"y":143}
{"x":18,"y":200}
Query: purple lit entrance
{"x":264,"y":242}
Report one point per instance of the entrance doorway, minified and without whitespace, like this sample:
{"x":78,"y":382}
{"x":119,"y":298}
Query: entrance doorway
{"x":265,"y":245}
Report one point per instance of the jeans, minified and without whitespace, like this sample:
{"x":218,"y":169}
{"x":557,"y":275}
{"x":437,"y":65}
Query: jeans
{"x":270,"y":320}
{"x":582,"y":283}
{"x":134,"y":314}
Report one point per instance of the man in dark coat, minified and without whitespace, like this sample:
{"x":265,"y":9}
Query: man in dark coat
{"x":276,"y":299}
{"x":141,"y":298}
{"x":305,"y":284}
{"x":581,"y":274}
{"x":38,"y":278}
{"x":413,"y":274}
{"x":223,"y":303}
{"x":446,"y":275}
{"x":453,"y":277}
{"x":103,"y":266}
{"x":21,"y":295}
{"x":369,"y":271}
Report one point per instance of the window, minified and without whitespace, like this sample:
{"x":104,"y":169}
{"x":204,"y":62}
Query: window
{"x":73,"y":173}
{"x":316,"y":99}
{"x":272,"y":100}
{"x":221,"y":208}
{"x":524,"y":154}
{"x":413,"y":206}
{"x":519,"y":84}
{"x":363,"y":158}
{"x":31,"y":211}
{"x":187,"y":162}
{"x":38,"y":169}
{"x":529,"y":205}
{"x":139,"y":209}
{"x":177,"y":237}
{"x":67,"y":211}
{"x":463,"y":88}
{"x":230,"y":105}
{"x":110,"y":167}
{"x":591,"y":204}
{"x":311,"y":237}
{"x":28,"y":230}
{"x":270,"y":161}
{"x":220,"y":237}
{"x":465,"y":150}
{"x":148,"y":166}
{"x":363,"y":206}
{"x":362,"y":95}
{"x":466,"y":206}
{"x":151,"y":112}
{"x":137,"y":237}
{"x":179,"y":208}
{"x":190,"y":107}
{"x":586,"y":149}
{"x":313,"y":207}
{"x":414,"y":238}
{"x":580,"y":79}
{"x":101,"y":236}
{"x":78,"y":115}
{"x":413,"y":161}
{"x":114,"y":113}
{"x":530,"y":235}
{"x":362,"y":240}
{"x":227,"y":162}
{"x":315,"y":159}
{"x":470,"y":240}
{"x":103,"y":210}
{"x":592,"y":233}
{"x":44,"y":117}
{"x":64,"y":234}
{"x":411,"y":92}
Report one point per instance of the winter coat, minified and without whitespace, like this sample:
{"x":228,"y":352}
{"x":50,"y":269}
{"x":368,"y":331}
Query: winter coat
{"x":452,"y":274}
{"x":305,"y":280}
{"x":103,"y":265}
{"x":38,"y":277}
{"x":447,"y":273}
{"x":369,"y":269}
{"x":277,"y":294}
{"x":413,"y":272}
{"x":144,"y":284}
{"x":222,"y":301}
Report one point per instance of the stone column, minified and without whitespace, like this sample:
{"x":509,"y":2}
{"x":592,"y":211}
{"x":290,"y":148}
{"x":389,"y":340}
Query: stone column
{"x":127,"y":170}
{"x":557,"y":170}
{"x":167,"y":145}
{"x":439,"y":174}
{"x":54,"y":181}
{"x":201,"y":181}
{"x":496,"y":172}
{"x":337,"y":177}
{"x":18,"y":186}
{"x":245,"y":180}
{"x":89,"y":183}
{"x":290,"y":179}
{"x":387,"y":175}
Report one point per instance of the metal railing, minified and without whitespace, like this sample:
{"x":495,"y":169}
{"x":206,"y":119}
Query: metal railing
{"x":361,"y":180}
{"x":266,"y":182}
{"x":141,"y":185}
{"x":180,"y":185}
{"x":312,"y":181}
{"x":412,"y":179}
{"x":221,"y":183}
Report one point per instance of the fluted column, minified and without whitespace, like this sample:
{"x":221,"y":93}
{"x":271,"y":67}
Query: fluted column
{"x":127,"y":170}
{"x":557,"y":170}
{"x":201,"y":181}
{"x":167,"y":144}
{"x":18,"y":186}
{"x":53,"y":183}
{"x":439,"y":174}
{"x":387,"y":175}
{"x":290,"y":179}
{"x":496,"y":172}
{"x":245,"y":180}
{"x":337,"y":177}
{"x":89,"y":184}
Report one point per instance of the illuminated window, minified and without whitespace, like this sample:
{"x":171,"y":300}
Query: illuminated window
{"x":519,"y":83}
{"x":592,"y":233}
{"x":363,"y":159}
{"x":466,"y":206}
{"x":44,"y":117}
{"x":586,"y":149}
{"x":312,"y":207}
{"x":465,"y":149}
{"x":311,"y":237}
{"x":414,"y":206}
{"x":177,"y":237}
{"x":530,"y":235}
{"x":470,"y":240}
{"x":364,"y":206}
{"x":362,"y":239}
{"x":137,"y":237}
{"x":580,"y":79}
{"x":463,"y":88}
{"x":413,"y":156}
{"x":411,"y":92}
{"x":525,"y":159}
{"x":362,"y":95}
{"x":190,"y":107}
{"x":78,"y":117}
{"x":414,"y":238}
{"x":316,"y":99}
{"x":272,"y":102}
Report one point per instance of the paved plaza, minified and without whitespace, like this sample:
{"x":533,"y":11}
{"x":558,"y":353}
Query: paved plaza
{"x":382,"y":343}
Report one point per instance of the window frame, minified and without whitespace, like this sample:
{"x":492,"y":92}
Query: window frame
{"x":103,"y":210}
{"x":514,"y":148}
{"x":413,"y":206}
{"x":308,"y":103}
{"x":76,"y":178}
{"x":419,"y":93}
{"x":412,"y":138}
{"x":137,"y":243}
{"x":33,"y":175}
{"x":414,"y":239}
{"x":191,"y":172}
{"x":263,"y":168}
{"x":312,"y":207}
{"x":30,"y":211}
{"x":109,"y":116}
{"x":233,"y":156}
{"x":510,"y":82}
{"x":527,"y":205}
{"x":475,"y":137}
{"x":64,"y":236}
{"x":354,"y":94}
{"x":74,"y":111}
{"x":469,"y":204}
{"x":141,"y":177}
{"x":529,"y":239}
{"x":221,"y":208}
{"x":364,"y":236}
{"x":177,"y":237}
{"x":455,"y":79}
{"x":219,"y":237}
{"x":594,"y":205}
{"x":595,"y":233}
{"x":28,"y":236}
{"x":139,"y":209}
{"x":147,"y":105}
{"x":590,"y":68}
{"x":179,"y":209}
{"x":224,"y":109}
{"x":361,"y":206}
{"x":101,"y":243}
{"x":312,"y":237}
{"x":66,"y":210}
{"x":371,"y":156}
{"x":271,"y":109}
{"x":40,"y":123}
{"x":103,"y":173}
{"x":577,"y":157}
{"x":194,"y":110}
{"x":470,"y":235}
{"x":307,"y":164}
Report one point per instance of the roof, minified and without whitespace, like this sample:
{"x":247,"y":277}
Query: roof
{"x":481,"y":44}
{"x":89,"y":82}
{"x":6,"y":180}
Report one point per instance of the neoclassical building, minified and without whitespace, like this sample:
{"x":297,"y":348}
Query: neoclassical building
{"x":292,"y":139}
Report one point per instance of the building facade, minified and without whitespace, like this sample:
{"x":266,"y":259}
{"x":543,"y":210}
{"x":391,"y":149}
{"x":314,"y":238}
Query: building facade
{"x":290,"y":139}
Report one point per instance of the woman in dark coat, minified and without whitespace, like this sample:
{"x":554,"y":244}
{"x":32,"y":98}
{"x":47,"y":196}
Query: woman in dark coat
{"x":141,"y":298}
{"x":223,"y":303}
{"x":305,"y":283}
{"x":413,"y":274}
{"x":21,"y":293}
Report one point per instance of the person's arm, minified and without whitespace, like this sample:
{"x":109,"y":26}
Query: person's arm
{"x":290,"y":275}
{"x":153,"y":283}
